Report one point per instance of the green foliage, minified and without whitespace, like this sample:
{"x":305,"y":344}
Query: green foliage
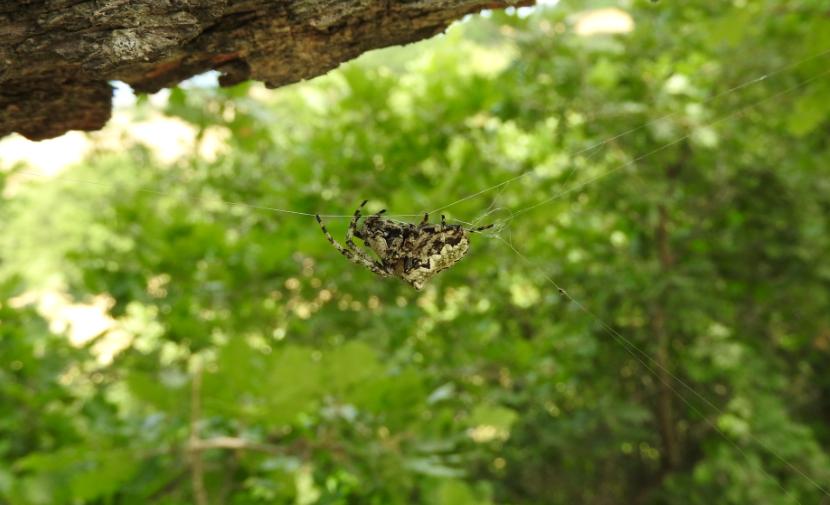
{"x":259,"y":366}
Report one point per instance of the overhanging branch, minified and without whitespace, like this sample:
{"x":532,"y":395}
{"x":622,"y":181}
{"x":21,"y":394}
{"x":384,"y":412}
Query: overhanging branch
{"x":57,"y":56}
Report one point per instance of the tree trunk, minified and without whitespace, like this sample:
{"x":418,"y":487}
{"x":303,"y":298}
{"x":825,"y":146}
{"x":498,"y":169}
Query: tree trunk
{"x":665,"y":414}
{"x":57,"y":56}
{"x":659,"y":315}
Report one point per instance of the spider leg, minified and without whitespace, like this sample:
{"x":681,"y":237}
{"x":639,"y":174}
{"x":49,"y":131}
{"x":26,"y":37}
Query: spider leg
{"x":357,"y":212}
{"x":378,"y":269}
{"x":480,"y":228}
{"x":425,"y":220}
{"x":357,"y":250}
{"x":345,"y":252}
{"x":361,"y":256}
{"x":353,"y":231}
{"x":356,"y":256}
{"x":443,"y":222}
{"x":353,"y":224}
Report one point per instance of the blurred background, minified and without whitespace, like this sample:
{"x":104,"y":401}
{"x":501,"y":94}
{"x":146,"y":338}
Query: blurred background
{"x":158,"y":345}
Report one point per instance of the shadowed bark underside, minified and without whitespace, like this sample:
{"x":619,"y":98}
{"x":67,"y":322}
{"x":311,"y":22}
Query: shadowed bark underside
{"x":57,"y":56}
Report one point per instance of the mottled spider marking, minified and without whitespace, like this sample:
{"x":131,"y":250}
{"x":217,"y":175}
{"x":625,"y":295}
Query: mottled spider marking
{"x":413,"y":253}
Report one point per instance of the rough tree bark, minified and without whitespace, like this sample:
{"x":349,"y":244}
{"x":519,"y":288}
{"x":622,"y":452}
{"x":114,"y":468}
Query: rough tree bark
{"x":57,"y":56}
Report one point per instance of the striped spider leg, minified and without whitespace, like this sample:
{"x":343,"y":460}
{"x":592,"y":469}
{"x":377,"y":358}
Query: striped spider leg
{"x":352,"y":252}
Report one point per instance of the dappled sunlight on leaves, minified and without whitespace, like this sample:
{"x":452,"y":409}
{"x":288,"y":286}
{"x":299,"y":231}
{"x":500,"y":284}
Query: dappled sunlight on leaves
{"x":666,"y":168}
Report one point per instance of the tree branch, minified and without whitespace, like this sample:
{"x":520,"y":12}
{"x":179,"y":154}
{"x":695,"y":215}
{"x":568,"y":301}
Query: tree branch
{"x":56,"y":57}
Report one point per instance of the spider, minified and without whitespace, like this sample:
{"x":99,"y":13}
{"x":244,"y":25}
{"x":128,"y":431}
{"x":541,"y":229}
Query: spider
{"x":413,"y":253}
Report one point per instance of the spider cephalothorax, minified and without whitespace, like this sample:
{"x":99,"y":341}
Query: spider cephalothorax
{"x":414,"y":253}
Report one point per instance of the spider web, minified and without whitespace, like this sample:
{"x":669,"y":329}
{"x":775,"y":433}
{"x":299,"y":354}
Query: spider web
{"x":652,"y":365}
{"x":501,"y":232}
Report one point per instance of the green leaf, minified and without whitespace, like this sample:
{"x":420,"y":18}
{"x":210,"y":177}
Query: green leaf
{"x":500,"y":418}
{"x":810,"y":111}
{"x":351,"y":365}
{"x":454,"y":492}
{"x":166,"y":392}
{"x":434,"y":467}
{"x":104,"y":473}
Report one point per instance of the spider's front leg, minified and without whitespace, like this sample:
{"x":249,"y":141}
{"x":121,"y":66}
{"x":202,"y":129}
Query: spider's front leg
{"x":353,"y":231}
{"x":378,"y":269}
{"x":355,"y":255}
{"x":345,"y":252}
